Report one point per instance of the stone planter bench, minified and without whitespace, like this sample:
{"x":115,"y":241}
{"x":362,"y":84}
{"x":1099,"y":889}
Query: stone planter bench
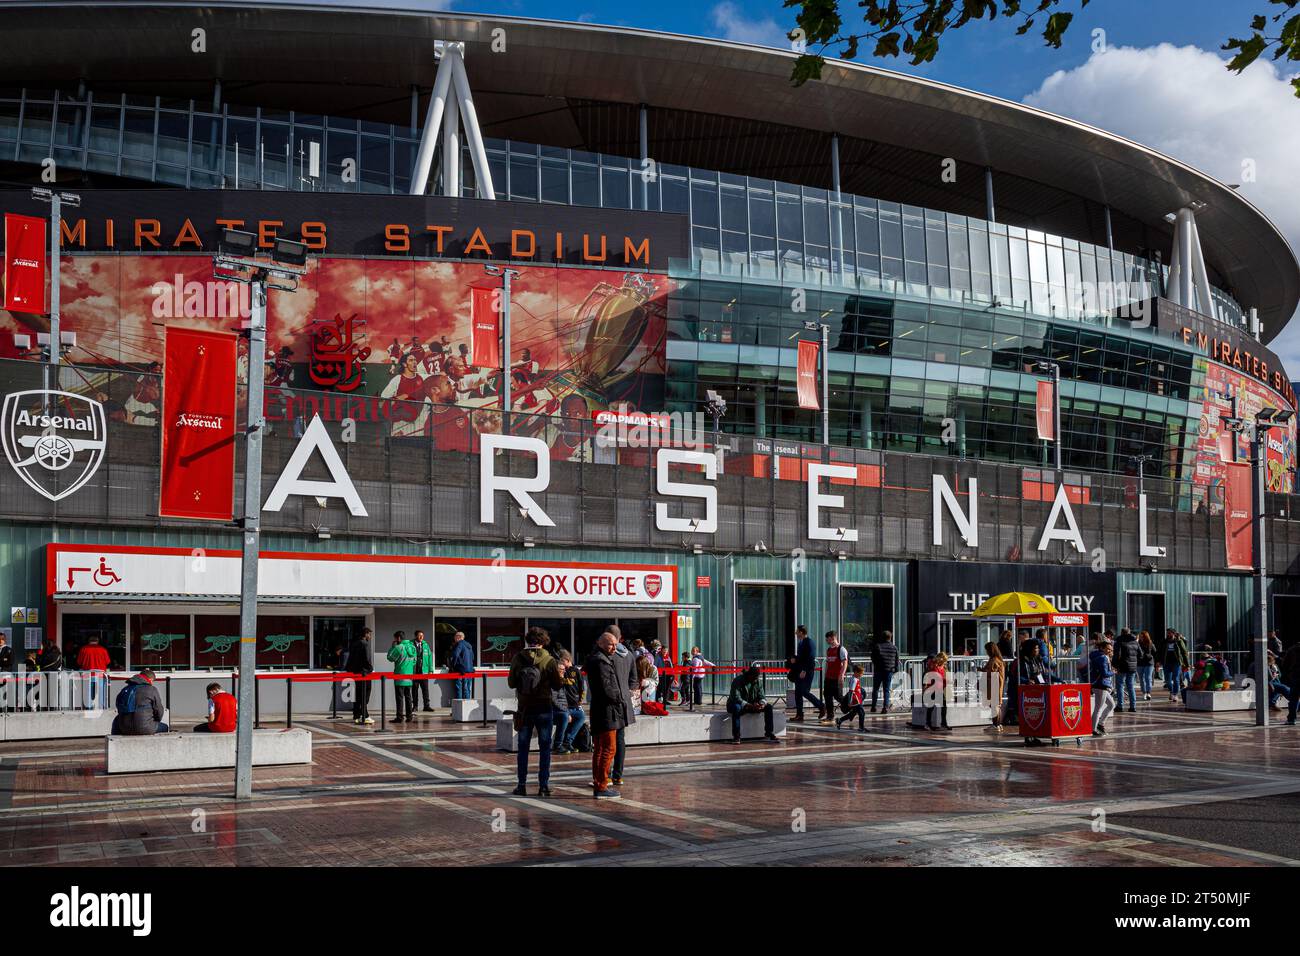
{"x":173,"y":751}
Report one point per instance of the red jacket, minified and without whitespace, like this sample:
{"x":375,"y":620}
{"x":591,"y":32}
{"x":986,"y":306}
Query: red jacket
{"x":92,"y":657}
{"x":225,"y":711}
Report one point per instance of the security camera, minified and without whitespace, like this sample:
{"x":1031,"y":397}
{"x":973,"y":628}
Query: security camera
{"x":760,"y":547}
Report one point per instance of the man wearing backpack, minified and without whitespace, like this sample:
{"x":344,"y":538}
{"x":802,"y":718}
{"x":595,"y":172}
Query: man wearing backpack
{"x":834,"y":671}
{"x":534,"y":676}
{"x":139,"y":708}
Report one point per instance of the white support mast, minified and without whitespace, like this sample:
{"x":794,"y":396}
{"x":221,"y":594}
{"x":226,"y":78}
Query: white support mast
{"x":451,"y":108}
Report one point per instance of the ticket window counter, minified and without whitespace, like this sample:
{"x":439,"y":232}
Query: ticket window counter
{"x":961,"y":635}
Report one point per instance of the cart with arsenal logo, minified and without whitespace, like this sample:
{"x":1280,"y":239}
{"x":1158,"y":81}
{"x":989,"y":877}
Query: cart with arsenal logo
{"x":1054,"y":711}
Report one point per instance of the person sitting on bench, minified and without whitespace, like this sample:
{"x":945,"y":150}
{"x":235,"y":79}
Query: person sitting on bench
{"x":223,"y":712}
{"x":746,"y":697}
{"x":139,"y":708}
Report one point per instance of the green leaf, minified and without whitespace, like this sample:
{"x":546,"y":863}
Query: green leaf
{"x":807,"y":67}
{"x":887,"y":45}
{"x":1057,"y":24}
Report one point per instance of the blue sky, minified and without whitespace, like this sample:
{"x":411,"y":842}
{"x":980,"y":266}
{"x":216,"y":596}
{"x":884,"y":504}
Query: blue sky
{"x":986,"y":56}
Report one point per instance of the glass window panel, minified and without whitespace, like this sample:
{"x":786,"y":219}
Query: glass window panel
{"x":555,"y":182}
{"x":704,"y":205}
{"x":586,"y":185}
{"x":445,"y":628}
{"x":789,"y":218}
{"x":160,"y":641}
{"x":501,"y":639}
{"x":762,"y":214}
{"x":104,"y":123}
{"x":138,"y":137}
{"x":523,"y":178}
{"x":615,"y":189}
{"x":733,"y":209}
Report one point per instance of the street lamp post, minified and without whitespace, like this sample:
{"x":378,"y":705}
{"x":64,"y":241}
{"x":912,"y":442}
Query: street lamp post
{"x":506,"y":276}
{"x":1055,"y":369}
{"x":56,"y":201}
{"x":238,"y":261}
{"x":1140,"y":461}
{"x":826,"y":377}
{"x":1265,"y":421}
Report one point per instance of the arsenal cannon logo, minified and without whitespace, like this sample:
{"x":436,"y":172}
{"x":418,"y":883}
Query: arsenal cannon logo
{"x":1033,"y":707}
{"x":54,"y":440}
{"x":1071,"y":708}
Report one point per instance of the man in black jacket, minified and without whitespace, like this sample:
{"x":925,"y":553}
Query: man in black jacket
{"x":625,"y":664}
{"x":6,"y":656}
{"x":361,"y":662}
{"x":50,"y":658}
{"x":802,"y":668}
{"x":884,"y":664}
{"x":610,"y":712}
{"x":1126,"y":664}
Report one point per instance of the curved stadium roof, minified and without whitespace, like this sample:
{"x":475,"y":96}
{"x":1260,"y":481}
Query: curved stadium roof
{"x":712,"y":104}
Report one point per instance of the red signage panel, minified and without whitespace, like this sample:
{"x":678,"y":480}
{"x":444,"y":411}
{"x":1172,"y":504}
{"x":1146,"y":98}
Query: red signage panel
{"x":1043,"y":412}
{"x":198,"y":425}
{"x":806,"y":376}
{"x":1237,"y":517}
{"x":485,"y":328}
{"x":25,"y":258}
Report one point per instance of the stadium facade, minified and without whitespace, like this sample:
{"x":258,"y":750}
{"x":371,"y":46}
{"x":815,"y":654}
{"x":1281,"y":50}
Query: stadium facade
{"x":679,"y":217}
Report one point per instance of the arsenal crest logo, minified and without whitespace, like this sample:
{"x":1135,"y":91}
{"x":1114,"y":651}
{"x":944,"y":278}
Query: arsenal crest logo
{"x":1033,"y":708}
{"x":1071,"y":708}
{"x":54,"y":440}
{"x":653,"y":585}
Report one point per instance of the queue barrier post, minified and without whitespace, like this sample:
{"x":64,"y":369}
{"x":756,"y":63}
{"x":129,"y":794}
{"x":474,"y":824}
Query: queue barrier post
{"x":334,"y":698}
{"x":485,"y":702}
{"x":383,"y":704}
{"x":288,"y":691}
{"x":169,"y":691}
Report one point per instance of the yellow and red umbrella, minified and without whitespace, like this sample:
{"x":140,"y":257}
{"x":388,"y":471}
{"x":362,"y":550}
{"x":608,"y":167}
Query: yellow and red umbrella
{"x":1013,"y":603}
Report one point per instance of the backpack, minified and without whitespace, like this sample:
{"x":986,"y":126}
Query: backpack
{"x":126,"y":699}
{"x":582,"y":741}
{"x":529,"y":681}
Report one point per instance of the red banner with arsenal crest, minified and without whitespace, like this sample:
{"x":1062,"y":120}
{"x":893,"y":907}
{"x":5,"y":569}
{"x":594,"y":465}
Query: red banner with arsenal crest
{"x":1045,"y":411}
{"x":25,"y":258}
{"x":485,"y":328}
{"x":806,"y":375}
{"x":1238,"y":512}
{"x":198,"y":425}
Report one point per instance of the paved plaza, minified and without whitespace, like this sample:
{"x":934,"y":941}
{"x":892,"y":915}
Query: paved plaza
{"x":1165,"y":788}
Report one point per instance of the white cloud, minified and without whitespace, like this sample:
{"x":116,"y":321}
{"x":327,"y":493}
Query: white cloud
{"x":1183,"y":102}
{"x":732,"y":24}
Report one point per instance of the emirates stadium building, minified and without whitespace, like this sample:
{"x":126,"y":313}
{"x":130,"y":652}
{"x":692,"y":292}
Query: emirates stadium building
{"x":543,"y":362}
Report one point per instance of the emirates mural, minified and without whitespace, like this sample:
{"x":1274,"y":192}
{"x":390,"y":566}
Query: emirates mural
{"x":1226,"y":394}
{"x":582,"y":340}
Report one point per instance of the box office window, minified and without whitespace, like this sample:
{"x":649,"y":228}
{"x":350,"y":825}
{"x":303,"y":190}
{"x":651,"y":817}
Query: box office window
{"x":76,"y":630}
{"x":444,"y":629}
{"x":500,"y":639}
{"x":216,"y":640}
{"x":865,"y":614}
{"x":560,"y":630}
{"x":160,"y":641}
{"x":282,"y":641}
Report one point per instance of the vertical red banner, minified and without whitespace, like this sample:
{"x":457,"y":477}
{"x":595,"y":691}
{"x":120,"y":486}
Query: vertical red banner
{"x":1238,"y":512}
{"x":1044,"y":407}
{"x":806,"y":375}
{"x":485,"y":328}
{"x":25,"y":257}
{"x":198,"y":425}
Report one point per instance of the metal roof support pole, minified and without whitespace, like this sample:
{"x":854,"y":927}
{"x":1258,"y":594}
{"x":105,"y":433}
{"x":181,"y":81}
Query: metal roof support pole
{"x":1200,"y":277}
{"x":1110,"y":233}
{"x":990,"y":212}
{"x":469,"y":117}
{"x":1183,"y":243}
{"x":415,"y":108}
{"x":432,"y":125}
{"x":451,"y":149}
{"x":838,"y":257}
{"x":643,"y":137}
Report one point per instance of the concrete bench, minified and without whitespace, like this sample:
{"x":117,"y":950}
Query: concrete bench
{"x":173,"y":751}
{"x":1239,"y":698}
{"x":466,"y":710}
{"x":959,"y":715}
{"x":55,"y":724}
{"x":697,"y":727}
